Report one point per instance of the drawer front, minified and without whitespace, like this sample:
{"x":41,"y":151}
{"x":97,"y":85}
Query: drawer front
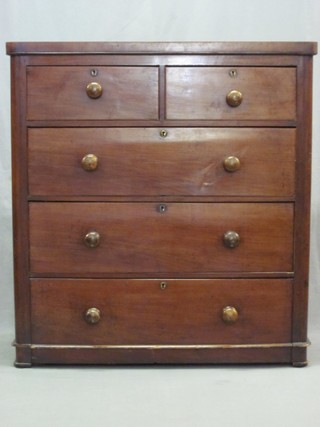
{"x":59,"y":93}
{"x":139,"y":162}
{"x":133,"y":312}
{"x":268,"y":93}
{"x":152,"y":238}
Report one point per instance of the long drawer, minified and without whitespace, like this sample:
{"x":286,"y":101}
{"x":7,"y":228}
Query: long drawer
{"x":64,"y":93}
{"x":141,"y":162}
{"x":138,"y":312}
{"x":179,"y":238}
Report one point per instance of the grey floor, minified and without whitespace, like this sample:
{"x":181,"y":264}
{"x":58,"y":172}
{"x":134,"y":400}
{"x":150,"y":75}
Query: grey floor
{"x":159,"y":396}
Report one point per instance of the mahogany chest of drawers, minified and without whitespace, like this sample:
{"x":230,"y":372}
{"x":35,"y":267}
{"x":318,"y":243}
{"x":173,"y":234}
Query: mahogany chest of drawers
{"x":161,"y":199}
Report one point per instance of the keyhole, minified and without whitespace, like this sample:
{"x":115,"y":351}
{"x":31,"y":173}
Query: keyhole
{"x":233,"y":73}
{"x":163,"y":133}
{"x":163,"y":285}
{"x":94,"y":72}
{"x":162,"y":208}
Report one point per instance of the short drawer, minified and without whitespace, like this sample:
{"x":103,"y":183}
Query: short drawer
{"x":171,"y":312}
{"x":173,"y":238}
{"x":265,"y":93}
{"x":64,"y":93}
{"x":141,"y":162}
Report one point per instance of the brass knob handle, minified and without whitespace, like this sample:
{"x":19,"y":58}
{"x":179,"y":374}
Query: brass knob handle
{"x":234,"y":98}
{"x":231,"y":164}
{"x":93,"y":316}
{"x":230,"y":314}
{"x":89,"y":162}
{"x":92,"y":239}
{"x":231,"y":239}
{"x":94,"y":90}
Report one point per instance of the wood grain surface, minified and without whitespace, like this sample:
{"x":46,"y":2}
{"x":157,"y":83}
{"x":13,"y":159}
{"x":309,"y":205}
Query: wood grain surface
{"x":140,"y":312}
{"x":60,"y":93}
{"x":137,"y":238}
{"x":200,"y":93}
{"x":139,"y":162}
{"x":161,"y":205}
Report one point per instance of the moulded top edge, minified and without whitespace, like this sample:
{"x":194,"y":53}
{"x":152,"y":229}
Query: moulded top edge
{"x":213,"y":48}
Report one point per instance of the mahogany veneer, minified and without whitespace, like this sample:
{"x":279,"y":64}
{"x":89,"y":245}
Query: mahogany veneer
{"x":161,"y":201}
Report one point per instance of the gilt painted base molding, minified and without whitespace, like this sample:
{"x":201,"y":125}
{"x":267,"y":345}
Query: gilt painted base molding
{"x":267,"y":353}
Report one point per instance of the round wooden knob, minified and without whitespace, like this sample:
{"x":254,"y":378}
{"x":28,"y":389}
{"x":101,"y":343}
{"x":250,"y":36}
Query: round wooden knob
{"x":230,"y":314}
{"x":231,"y":239}
{"x":92,"y":239}
{"x":231,"y":164}
{"x":89,"y":162}
{"x":234,"y":98}
{"x":94,"y":90}
{"x":93,"y":316}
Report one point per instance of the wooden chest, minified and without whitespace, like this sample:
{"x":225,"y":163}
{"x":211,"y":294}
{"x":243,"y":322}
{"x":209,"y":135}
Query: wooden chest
{"x":161,"y":199}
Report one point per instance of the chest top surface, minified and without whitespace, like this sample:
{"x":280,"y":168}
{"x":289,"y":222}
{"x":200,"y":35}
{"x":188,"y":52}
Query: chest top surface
{"x":214,"y":48}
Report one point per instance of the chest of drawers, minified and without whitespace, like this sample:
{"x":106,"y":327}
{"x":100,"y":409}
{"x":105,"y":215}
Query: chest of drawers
{"x":161,"y":198}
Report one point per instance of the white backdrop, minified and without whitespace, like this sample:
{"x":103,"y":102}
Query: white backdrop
{"x":175,"y":397}
{"x":151,"y":20}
